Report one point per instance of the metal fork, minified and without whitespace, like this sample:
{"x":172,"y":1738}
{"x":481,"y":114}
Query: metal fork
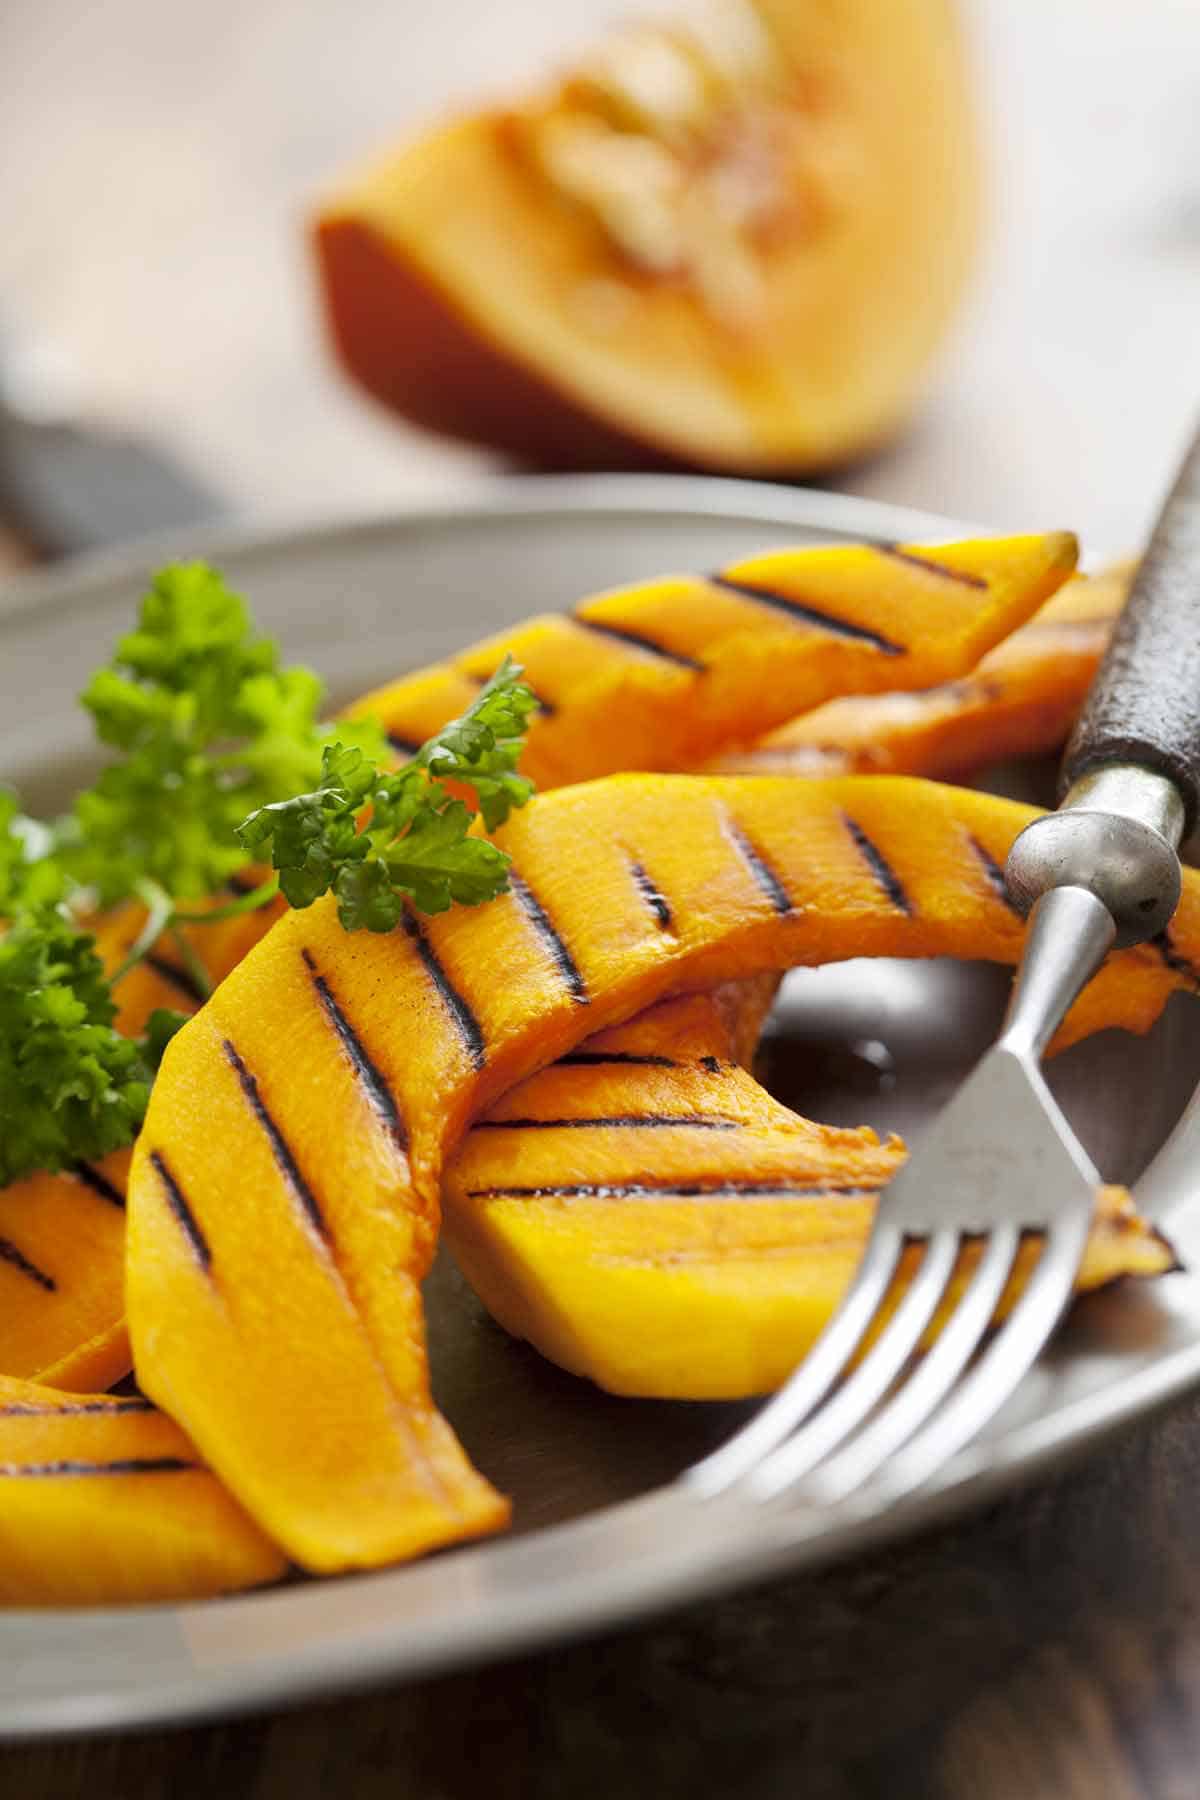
{"x":1001,"y":1165}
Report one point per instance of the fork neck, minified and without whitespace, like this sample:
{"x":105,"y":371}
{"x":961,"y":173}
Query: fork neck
{"x":1070,"y":933}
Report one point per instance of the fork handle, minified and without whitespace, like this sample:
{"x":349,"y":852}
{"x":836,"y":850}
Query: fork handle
{"x":1144,"y":705}
{"x":1132,"y":770}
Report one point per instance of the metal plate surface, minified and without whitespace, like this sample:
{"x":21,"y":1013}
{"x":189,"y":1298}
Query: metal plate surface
{"x":603,"y":1533}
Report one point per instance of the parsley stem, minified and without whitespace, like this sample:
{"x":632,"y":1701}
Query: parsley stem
{"x":259,"y":896}
{"x":159,"y":908}
{"x":191,"y":961}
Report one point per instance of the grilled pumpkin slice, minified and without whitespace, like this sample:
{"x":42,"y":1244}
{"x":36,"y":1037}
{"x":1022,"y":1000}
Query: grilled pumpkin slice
{"x":631,"y":679}
{"x":665,"y":674}
{"x":1020,"y":701}
{"x":645,"y":1215}
{"x":284,"y":1194}
{"x":104,"y":1501}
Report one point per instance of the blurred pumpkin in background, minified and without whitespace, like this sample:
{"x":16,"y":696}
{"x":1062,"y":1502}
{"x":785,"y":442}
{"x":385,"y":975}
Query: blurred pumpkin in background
{"x":730,"y":241}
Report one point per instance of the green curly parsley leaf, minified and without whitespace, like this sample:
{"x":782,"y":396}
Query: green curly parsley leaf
{"x":71,"y":1087}
{"x":207,"y":727}
{"x":418,"y":844}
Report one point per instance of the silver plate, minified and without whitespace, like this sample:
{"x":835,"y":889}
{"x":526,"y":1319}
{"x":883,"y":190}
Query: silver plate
{"x":602,"y":1536}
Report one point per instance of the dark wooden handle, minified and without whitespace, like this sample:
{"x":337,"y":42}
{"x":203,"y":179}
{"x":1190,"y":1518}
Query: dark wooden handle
{"x":1144,"y":706}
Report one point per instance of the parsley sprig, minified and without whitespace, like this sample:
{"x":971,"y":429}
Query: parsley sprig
{"x":211,"y":737}
{"x":418,"y":843}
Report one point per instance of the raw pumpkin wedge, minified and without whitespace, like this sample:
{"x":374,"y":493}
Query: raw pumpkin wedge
{"x":1022,"y":699}
{"x":729,"y":241}
{"x":284,"y":1194}
{"x":693,"y":1262}
{"x":665,"y":674}
{"x":104,"y":1501}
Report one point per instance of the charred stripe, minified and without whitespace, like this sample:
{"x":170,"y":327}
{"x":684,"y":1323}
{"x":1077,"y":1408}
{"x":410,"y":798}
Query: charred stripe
{"x":402,"y":745}
{"x":24,"y":1410}
{"x":646,"y":1121}
{"x":241,"y":885}
{"x":638,"y":640}
{"x":805,"y":614}
{"x":377,"y":1089}
{"x":993,"y":875}
{"x":651,"y":894}
{"x":1179,"y":965}
{"x":920,"y":559}
{"x":281,"y":1150}
{"x":879,"y":866}
{"x":637,"y":1190}
{"x":16,"y":1259}
{"x":596,"y":1058}
{"x":533,"y":909}
{"x":766,"y":877}
{"x":461,"y":1014}
{"x":183,"y":1212}
{"x":176,"y":976}
{"x":99,"y":1184}
{"x":124,"y":1465}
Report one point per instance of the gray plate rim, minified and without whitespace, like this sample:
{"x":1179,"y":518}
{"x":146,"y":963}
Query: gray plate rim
{"x":125,"y":1668}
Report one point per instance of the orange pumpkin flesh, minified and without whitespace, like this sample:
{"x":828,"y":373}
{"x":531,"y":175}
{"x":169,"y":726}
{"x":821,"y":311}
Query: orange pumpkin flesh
{"x":721,"y":243}
{"x":689,"y":1264}
{"x":826,"y":622}
{"x":1021,"y":700}
{"x":283,"y":1202}
{"x":102,"y":1499}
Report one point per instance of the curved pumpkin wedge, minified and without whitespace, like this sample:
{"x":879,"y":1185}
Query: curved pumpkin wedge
{"x":1021,"y":700}
{"x":730,"y":242}
{"x":664,"y":674}
{"x":695,"y":1262}
{"x":641,"y":677}
{"x":104,"y":1501}
{"x":284,"y":1194}
{"x":61,"y":1275}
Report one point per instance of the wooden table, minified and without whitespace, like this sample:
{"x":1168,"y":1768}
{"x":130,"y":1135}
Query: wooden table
{"x":155,"y":162}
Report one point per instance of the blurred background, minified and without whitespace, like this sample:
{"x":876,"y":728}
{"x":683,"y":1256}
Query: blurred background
{"x":158,"y":165}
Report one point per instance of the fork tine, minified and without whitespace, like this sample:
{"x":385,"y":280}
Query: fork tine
{"x":873,"y":1376}
{"x":815,"y":1375}
{"x":930,"y":1383}
{"x":1004,"y":1363}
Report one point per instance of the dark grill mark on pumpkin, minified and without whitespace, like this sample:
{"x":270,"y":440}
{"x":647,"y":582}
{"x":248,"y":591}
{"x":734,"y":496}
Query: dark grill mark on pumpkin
{"x":651,"y":894}
{"x":920,"y":560}
{"x":16,"y":1259}
{"x":546,"y":707}
{"x":280,"y":1148}
{"x":711,"y":1064}
{"x":20,"y":1409}
{"x":176,"y":976}
{"x":596,"y":1058}
{"x":879,"y":866}
{"x":99,"y":1184}
{"x":241,"y":885}
{"x":124,"y":1465}
{"x":183,"y":1213}
{"x":994,"y":875}
{"x":638,"y":1190}
{"x":536,"y":913}
{"x":637,"y":640}
{"x":759,"y":867}
{"x":646,"y":1121}
{"x":403,"y":746}
{"x":1179,"y":965}
{"x":462,"y":1017}
{"x":810,"y":615}
{"x":377,"y":1089}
